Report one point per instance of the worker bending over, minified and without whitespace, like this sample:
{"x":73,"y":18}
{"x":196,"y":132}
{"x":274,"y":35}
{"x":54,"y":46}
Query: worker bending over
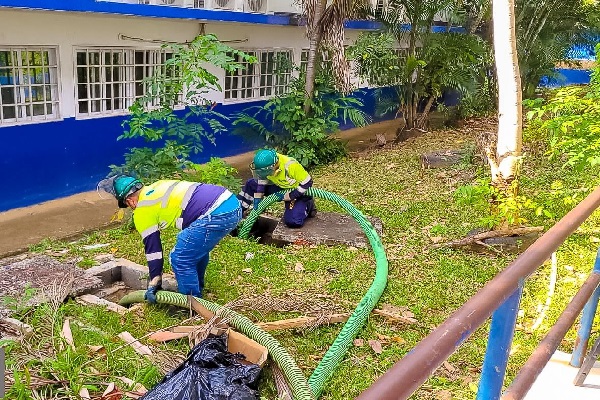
{"x":204,"y":213}
{"x":274,"y":172}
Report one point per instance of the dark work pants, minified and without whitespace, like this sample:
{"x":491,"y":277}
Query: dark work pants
{"x":295,"y":212}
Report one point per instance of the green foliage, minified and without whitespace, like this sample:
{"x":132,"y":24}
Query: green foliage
{"x":453,"y":61}
{"x":283,"y":123}
{"x":150,"y":164}
{"x":479,"y":102}
{"x":445,"y":61}
{"x":216,"y":172}
{"x":546,"y":30}
{"x":375,"y":60}
{"x":174,"y":112}
{"x":19,"y":305}
{"x":571,"y":118}
{"x":46,"y":354}
{"x":501,"y":208}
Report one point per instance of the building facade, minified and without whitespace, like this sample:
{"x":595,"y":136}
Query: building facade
{"x":69,"y":70}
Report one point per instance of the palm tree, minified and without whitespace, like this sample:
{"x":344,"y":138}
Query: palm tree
{"x":546,"y":29}
{"x":420,"y":15}
{"x":325,"y":28}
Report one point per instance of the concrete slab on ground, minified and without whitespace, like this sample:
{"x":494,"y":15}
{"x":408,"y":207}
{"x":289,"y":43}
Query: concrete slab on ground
{"x":41,"y":273}
{"x":556,"y":381}
{"x":132,"y":275}
{"x":327,"y":228}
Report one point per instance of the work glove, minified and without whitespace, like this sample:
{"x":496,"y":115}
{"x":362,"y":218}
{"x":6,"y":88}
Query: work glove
{"x":153,"y":287}
{"x":283,"y":196}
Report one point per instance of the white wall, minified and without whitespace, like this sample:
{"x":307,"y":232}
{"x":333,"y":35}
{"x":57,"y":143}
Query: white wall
{"x":71,"y":30}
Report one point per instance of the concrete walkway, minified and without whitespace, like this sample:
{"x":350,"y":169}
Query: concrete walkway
{"x":82,"y":213}
{"x":556,"y":381}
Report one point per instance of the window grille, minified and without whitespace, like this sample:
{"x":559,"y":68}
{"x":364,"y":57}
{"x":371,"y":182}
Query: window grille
{"x":109,"y":80}
{"x":28,"y":84}
{"x":269,"y":76}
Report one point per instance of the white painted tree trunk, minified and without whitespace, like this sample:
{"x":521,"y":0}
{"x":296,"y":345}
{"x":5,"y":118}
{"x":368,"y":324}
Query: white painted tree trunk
{"x":510,"y":121}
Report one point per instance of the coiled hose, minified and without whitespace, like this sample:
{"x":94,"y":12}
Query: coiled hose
{"x":292,"y":372}
{"x":359,"y":317}
{"x":300,"y":389}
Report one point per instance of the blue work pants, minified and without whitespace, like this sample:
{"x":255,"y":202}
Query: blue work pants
{"x":190,"y":254}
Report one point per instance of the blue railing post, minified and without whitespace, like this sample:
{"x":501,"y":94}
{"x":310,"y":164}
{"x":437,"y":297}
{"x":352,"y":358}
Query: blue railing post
{"x":502,"y":330}
{"x":587,"y":318}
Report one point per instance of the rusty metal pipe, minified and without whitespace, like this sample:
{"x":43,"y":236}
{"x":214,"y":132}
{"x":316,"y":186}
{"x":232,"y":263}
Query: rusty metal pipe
{"x":542,"y":354}
{"x":404,"y":377}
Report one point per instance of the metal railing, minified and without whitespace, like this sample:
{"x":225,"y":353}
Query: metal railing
{"x":250,"y":6}
{"x":500,"y":296}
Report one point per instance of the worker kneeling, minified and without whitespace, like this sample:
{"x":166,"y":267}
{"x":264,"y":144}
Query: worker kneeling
{"x":204,"y":213}
{"x":274,"y":172}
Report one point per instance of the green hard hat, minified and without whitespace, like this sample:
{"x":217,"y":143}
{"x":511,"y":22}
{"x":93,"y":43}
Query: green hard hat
{"x":265,"y":158}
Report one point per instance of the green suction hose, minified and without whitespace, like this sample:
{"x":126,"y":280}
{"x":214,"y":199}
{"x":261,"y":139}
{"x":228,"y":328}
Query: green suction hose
{"x":300,"y":388}
{"x":359,"y":317}
{"x":293,"y":374}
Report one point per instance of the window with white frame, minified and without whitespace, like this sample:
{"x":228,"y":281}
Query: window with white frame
{"x":269,"y":76}
{"x":325,"y":59}
{"x":109,"y":80}
{"x":28,"y":84}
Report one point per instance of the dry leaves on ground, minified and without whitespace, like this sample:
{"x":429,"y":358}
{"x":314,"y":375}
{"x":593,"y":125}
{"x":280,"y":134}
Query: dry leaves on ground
{"x":376,"y":346}
{"x":67,"y":335}
{"x":84,"y":394}
{"x":399,"y":313}
{"x":97,"y":350}
{"x":443,"y":395}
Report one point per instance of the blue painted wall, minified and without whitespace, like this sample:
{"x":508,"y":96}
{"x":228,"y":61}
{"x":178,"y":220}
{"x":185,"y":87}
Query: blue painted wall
{"x":566,"y":77}
{"x":45,"y":161}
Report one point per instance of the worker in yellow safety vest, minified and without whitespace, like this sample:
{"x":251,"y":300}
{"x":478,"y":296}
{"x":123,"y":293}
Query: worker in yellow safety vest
{"x":204,"y":213}
{"x":274,"y":172}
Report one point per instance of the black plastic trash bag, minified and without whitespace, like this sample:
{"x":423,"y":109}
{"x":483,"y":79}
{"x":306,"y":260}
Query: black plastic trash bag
{"x":210,"y":372}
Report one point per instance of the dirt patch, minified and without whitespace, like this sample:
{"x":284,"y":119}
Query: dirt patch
{"x":40,"y":273}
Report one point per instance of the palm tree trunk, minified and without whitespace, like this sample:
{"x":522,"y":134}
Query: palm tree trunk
{"x":475,"y":22}
{"x":510,"y":122}
{"x":411,"y":98}
{"x":424,"y":116}
{"x":314,"y":11}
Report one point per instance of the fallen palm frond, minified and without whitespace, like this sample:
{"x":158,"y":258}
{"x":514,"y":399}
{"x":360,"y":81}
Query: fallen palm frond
{"x":305,"y":303}
{"x":308,"y":323}
{"x":166,"y":360}
{"x":283,"y":389}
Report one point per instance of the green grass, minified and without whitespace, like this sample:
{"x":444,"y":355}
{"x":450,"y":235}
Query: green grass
{"x":414,"y":205}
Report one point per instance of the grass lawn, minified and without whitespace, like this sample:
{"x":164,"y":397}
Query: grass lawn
{"x":417,"y":208}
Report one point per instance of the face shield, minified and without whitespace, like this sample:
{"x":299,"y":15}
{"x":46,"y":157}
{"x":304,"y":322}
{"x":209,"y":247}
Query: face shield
{"x":107,"y":186}
{"x":262,"y":173}
{"x":119,"y":186}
